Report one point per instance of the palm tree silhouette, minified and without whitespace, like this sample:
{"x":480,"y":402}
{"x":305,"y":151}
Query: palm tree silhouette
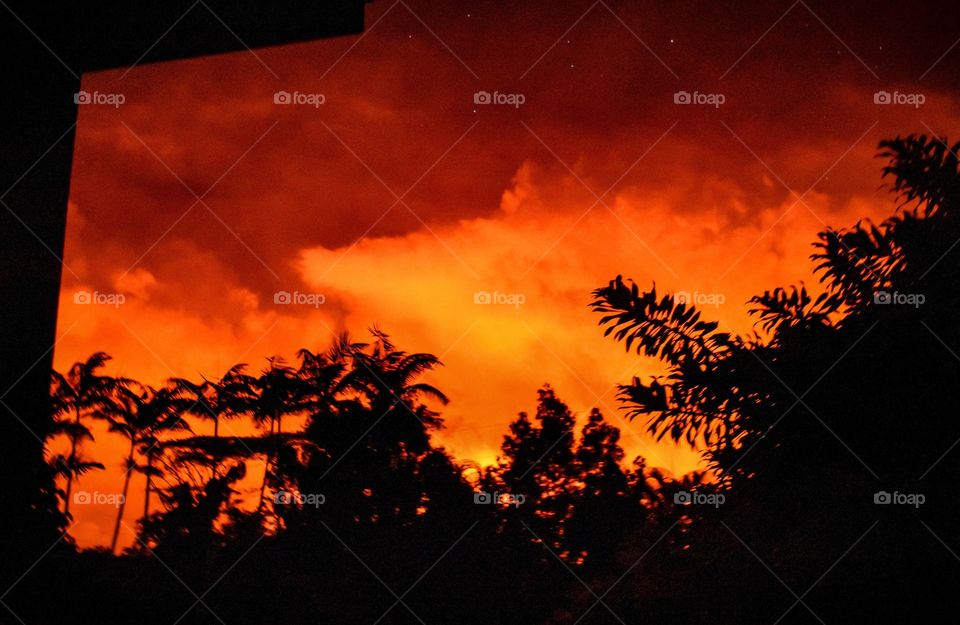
{"x":231,"y":396}
{"x":78,"y":393}
{"x":141,"y":416}
{"x":323,"y":377}
{"x":388,"y":379}
{"x":279,"y":392}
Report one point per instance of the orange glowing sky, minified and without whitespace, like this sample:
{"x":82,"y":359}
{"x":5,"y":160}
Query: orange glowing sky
{"x":399,"y":198}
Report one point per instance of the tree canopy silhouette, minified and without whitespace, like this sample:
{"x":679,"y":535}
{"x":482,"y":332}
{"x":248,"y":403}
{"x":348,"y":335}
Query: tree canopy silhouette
{"x":846,"y":394}
{"x":338,"y":503}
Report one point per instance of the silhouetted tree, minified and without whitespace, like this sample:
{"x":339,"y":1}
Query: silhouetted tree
{"x":845,"y":394}
{"x":229,"y":397}
{"x":188,"y":524}
{"x":536,"y":464}
{"x":82,"y":391}
{"x":842,"y":390}
{"x":604,"y":502}
{"x":140,"y":416}
{"x":279,"y":392}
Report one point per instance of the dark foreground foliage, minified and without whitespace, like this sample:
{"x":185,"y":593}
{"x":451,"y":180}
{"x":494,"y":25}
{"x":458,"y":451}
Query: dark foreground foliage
{"x":847,"y":399}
